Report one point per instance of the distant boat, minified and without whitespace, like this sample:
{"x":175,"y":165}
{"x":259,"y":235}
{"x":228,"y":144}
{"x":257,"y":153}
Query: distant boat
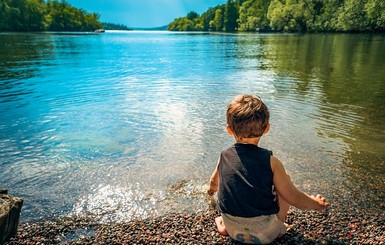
{"x":100,"y":30}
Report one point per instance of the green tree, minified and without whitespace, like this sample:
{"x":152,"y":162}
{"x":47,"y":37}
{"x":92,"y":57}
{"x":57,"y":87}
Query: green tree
{"x":291,"y":15}
{"x":230,"y":16}
{"x":33,"y":15}
{"x":199,"y":24}
{"x":238,"y":3}
{"x":11,"y":17}
{"x":217,"y":23}
{"x":181,"y":24}
{"x":192,"y":15}
{"x":112,"y":26}
{"x":206,"y":17}
{"x":352,"y":16}
{"x":375,"y":10}
{"x":5,"y":15}
{"x":39,"y":15}
{"x":63,"y":17}
{"x":192,"y":22}
{"x":55,"y":16}
{"x":253,"y":15}
{"x":92,"y":21}
{"x":326,"y":15}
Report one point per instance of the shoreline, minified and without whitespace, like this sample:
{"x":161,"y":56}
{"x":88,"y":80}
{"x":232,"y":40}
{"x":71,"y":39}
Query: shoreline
{"x":337,"y":225}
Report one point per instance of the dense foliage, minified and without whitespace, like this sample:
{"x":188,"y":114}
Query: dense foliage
{"x":287,"y":15}
{"x":40,"y":15}
{"x":112,"y":26}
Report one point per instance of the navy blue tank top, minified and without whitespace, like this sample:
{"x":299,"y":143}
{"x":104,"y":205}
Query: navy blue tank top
{"x":246,"y":182}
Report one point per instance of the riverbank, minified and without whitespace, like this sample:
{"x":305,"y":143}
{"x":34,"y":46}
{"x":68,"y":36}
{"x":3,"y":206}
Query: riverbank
{"x":338,"y":225}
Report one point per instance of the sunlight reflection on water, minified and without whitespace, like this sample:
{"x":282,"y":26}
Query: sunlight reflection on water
{"x":131,"y":124}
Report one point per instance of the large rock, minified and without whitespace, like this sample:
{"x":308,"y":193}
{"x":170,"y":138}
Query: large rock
{"x":10,"y":208}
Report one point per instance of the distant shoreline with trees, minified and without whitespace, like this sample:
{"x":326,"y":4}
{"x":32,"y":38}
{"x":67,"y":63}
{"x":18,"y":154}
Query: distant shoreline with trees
{"x":233,"y":16}
{"x":51,"y":15}
{"x":287,"y":16}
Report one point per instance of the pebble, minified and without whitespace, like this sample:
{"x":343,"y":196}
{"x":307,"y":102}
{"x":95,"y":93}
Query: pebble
{"x":336,"y":226}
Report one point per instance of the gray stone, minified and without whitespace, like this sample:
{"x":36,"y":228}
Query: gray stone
{"x":10,"y":208}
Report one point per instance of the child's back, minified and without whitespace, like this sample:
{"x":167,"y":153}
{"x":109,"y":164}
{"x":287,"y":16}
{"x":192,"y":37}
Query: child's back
{"x":245,"y":172}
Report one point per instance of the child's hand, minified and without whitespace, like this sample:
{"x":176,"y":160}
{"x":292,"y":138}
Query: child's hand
{"x":210,"y":191}
{"x":213,"y":187}
{"x":321,"y":201}
{"x":214,"y":181}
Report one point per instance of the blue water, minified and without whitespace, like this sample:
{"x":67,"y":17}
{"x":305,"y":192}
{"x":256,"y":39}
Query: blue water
{"x":130,"y":124}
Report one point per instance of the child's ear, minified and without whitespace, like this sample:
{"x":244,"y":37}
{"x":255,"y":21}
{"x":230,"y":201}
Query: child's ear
{"x":229,"y":130}
{"x":267,"y":129}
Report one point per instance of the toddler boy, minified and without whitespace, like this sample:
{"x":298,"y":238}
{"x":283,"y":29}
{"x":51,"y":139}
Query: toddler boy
{"x":254,"y":190}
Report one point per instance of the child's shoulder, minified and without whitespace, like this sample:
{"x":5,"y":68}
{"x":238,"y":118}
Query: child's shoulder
{"x":265,"y":150}
{"x":229,"y":148}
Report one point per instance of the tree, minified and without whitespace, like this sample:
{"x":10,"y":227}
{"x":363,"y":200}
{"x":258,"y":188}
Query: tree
{"x":5,"y":15}
{"x":39,"y":15}
{"x":375,"y":10}
{"x":33,"y":15}
{"x":352,"y":17}
{"x":253,"y":15}
{"x":291,"y":15}
{"x":181,"y":24}
{"x":206,"y":17}
{"x":217,"y":23}
{"x":230,"y":16}
{"x":63,"y":17}
{"x":326,"y":15}
{"x":192,"y":15}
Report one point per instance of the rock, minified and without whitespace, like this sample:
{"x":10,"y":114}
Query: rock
{"x":10,"y":208}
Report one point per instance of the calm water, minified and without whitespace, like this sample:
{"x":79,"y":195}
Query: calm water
{"x":129,"y":124}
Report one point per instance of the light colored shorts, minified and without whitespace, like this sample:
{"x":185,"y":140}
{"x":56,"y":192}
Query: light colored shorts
{"x":256,"y":230}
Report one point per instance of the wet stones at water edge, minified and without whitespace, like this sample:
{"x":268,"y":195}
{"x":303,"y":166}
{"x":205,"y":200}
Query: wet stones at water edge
{"x":10,"y":208}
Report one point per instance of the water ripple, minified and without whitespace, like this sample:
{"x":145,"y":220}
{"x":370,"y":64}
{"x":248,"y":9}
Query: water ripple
{"x":111,"y":125}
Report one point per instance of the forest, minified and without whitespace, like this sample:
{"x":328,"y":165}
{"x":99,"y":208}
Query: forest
{"x":112,"y":26}
{"x":41,"y":15}
{"x":287,"y":16}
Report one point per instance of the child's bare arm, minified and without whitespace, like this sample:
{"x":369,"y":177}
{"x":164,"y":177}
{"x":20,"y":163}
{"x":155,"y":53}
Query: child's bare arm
{"x":214,"y":181}
{"x":289,"y":191}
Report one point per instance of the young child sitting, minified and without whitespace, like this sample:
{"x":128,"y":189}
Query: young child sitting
{"x":254,"y":190}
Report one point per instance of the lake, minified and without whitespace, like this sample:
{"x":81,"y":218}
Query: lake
{"x":130,"y":124}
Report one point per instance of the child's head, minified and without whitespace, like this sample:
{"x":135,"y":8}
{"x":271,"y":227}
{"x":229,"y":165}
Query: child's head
{"x":247,"y":116}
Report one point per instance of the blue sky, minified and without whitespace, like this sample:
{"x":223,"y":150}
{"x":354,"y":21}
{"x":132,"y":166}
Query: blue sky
{"x":143,"y":13}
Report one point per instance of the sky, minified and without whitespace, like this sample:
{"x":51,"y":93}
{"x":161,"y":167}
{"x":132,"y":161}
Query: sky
{"x":143,"y":13}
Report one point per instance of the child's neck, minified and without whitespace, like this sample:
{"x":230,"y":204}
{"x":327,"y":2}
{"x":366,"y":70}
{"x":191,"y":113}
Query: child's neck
{"x":253,"y":141}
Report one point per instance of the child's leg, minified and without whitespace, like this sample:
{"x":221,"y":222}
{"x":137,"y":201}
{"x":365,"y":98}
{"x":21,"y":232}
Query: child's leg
{"x":220,"y":225}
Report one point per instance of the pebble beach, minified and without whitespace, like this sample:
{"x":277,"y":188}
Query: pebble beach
{"x":337,"y":225}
